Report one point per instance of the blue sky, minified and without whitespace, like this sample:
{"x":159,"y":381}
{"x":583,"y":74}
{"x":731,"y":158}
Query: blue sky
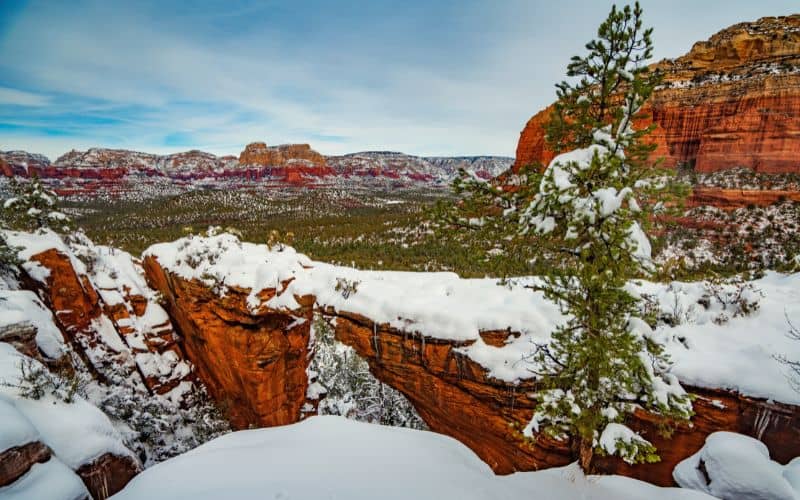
{"x":423,"y":77}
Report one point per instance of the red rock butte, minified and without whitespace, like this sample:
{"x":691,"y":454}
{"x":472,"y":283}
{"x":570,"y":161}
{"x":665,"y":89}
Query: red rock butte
{"x":290,"y":162}
{"x":732,"y":101}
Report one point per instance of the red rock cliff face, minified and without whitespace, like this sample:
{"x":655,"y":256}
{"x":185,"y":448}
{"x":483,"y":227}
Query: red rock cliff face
{"x":78,"y":308}
{"x":254,"y":363}
{"x":455,"y":397}
{"x":732,"y":101}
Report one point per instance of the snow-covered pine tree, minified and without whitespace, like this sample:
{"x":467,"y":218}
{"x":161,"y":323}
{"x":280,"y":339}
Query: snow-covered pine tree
{"x":9,"y":261}
{"x":592,"y":204}
{"x":480,"y":221}
{"x":32,"y":206}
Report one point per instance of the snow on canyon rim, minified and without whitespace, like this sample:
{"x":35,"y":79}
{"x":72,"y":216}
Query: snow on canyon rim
{"x":739,"y":355}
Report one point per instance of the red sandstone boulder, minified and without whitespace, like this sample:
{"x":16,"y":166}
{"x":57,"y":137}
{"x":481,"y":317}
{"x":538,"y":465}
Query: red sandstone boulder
{"x":17,"y":460}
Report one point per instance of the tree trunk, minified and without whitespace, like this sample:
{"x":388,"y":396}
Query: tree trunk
{"x":585,"y":454}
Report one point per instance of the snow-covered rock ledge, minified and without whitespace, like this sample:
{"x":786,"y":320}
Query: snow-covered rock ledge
{"x":77,"y":449}
{"x":739,"y":355}
{"x":457,"y":347}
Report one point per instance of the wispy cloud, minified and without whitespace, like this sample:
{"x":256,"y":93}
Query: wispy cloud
{"x":15,"y":97}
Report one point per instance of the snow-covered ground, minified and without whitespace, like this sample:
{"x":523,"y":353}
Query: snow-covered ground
{"x":76,"y":432}
{"x":731,"y":465}
{"x":711,"y":340}
{"x":129,"y":347}
{"x":51,"y":480}
{"x":335,"y":458}
{"x":59,"y":423}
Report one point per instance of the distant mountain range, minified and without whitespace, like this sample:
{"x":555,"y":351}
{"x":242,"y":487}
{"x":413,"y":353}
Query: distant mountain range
{"x":293,"y":165}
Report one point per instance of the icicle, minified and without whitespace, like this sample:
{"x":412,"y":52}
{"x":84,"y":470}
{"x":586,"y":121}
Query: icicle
{"x":762,"y":420}
{"x":375,"y":341}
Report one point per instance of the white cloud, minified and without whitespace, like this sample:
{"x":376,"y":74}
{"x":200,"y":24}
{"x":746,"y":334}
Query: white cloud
{"x":16,"y":97}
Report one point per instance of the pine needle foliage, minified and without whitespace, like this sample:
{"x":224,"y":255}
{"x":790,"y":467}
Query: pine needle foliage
{"x":604,"y":362}
{"x":586,"y":218}
{"x":32,"y":206}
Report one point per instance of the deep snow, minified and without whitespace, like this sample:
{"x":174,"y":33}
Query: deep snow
{"x":738,"y":466}
{"x":335,"y":458}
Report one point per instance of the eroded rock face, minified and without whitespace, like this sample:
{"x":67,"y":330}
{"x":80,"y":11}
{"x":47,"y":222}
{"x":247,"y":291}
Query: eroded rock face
{"x":453,"y":394}
{"x":455,"y":397}
{"x":74,"y":302}
{"x":16,"y":461}
{"x":253,"y":362}
{"x":98,"y":331}
{"x":732,"y":101}
{"x":292,"y":163}
{"x":753,"y":124}
{"x":107,"y":474}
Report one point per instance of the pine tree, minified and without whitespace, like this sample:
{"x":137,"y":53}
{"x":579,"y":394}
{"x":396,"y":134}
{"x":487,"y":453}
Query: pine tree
{"x":480,"y":219}
{"x":9,"y":261}
{"x":32,"y":207}
{"x":604,"y":362}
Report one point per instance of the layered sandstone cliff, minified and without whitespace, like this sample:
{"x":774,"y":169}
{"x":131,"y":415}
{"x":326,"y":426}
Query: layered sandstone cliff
{"x":455,"y":396}
{"x":253,"y":362}
{"x":291,"y":163}
{"x":258,"y":153}
{"x":732,"y":101}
